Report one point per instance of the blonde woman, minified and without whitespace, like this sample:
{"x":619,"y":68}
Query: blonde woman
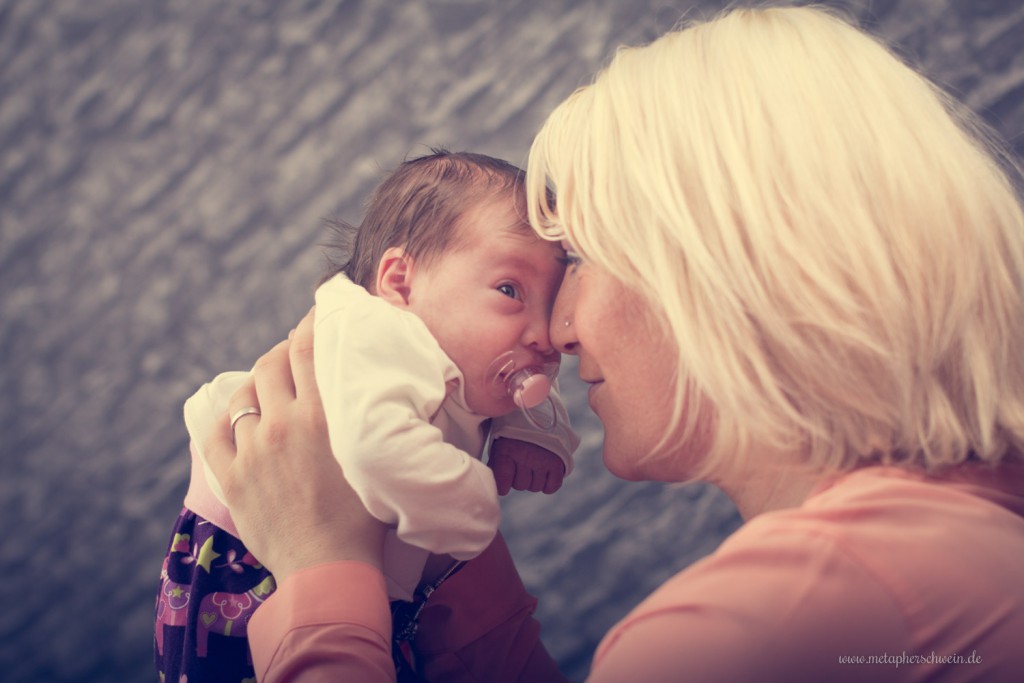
{"x":819,"y":258}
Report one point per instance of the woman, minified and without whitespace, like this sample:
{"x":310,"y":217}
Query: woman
{"x":820,"y":258}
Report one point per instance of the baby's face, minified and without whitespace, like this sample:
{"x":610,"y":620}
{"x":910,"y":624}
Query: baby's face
{"x":491,"y":294}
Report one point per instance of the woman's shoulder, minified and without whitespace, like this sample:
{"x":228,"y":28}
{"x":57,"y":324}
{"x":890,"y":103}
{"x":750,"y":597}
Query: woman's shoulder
{"x":878,"y":562}
{"x":769,"y":603}
{"x":892,"y":528}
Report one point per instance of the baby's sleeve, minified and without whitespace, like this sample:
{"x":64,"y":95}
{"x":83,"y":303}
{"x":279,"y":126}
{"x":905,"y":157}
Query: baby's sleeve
{"x":562,"y":440}
{"x":382,"y":377}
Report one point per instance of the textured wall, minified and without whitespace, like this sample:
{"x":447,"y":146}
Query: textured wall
{"x":164,"y":170}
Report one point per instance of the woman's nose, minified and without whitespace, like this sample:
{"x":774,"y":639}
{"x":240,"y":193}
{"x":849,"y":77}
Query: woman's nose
{"x":562,"y":330}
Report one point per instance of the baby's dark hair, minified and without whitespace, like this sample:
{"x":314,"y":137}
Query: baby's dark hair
{"x":418,"y":206}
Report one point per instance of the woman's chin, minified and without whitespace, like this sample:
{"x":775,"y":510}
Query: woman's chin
{"x":620,"y":466}
{"x":659,"y":463}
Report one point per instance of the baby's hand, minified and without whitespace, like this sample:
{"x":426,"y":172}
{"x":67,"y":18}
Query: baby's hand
{"x":525,"y":466}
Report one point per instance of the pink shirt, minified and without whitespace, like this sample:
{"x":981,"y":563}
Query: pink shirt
{"x":883,"y":575}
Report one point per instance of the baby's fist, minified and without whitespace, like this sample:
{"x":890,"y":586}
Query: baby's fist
{"x":524,"y":466}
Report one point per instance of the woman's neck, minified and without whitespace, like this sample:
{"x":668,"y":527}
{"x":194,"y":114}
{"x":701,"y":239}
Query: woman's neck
{"x":769,"y":481}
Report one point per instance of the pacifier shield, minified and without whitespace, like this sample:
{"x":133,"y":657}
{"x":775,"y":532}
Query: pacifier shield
{"x":531,"y":391}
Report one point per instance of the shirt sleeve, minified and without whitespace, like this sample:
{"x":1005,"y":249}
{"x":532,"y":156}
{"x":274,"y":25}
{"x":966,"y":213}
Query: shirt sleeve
{"x":382,"y":378}
{"x":329,"y":622}
{"x":562,"y":440}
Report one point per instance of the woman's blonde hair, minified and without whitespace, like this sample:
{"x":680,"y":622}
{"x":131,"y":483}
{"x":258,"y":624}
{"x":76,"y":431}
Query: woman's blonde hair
{"x":836,"y":244}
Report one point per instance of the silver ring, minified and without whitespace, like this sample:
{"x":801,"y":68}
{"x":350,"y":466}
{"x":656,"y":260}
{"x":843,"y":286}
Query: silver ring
{"x":238,"y":415}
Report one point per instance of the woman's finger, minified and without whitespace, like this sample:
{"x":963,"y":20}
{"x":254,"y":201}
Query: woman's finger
{"x":220,"y":451}
{"x":243,"y":427}
{"x":300,"y":354}
{"x":273,"y":375}
{"x":222,"y":444}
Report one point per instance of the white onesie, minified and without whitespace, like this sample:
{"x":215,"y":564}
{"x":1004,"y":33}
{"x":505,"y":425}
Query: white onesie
{"x":398,"y":423}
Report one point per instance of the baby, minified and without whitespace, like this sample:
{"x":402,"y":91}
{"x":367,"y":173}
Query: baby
{"x":431,"y":338}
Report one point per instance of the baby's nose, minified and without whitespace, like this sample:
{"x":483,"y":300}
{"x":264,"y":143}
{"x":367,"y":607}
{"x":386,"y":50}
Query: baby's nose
{"x":537,"y":338}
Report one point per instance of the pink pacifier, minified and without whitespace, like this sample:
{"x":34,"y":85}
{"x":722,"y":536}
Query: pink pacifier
{"x":529,"y":388}
{"x":517,"y":374}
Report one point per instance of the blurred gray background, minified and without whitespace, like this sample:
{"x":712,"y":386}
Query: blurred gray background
{"x":164,"y":169}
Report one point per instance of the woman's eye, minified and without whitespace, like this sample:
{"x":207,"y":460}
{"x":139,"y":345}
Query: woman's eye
{"x":571,"y":260}
{"x":509,"y":290}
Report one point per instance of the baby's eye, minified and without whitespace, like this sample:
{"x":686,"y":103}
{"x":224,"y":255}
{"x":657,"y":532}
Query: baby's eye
{"x":509,"y":290}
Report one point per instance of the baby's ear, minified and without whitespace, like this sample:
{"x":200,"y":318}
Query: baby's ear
{"x":394,"y":275}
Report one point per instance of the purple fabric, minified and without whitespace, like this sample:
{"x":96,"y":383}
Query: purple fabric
{"x":209,"y":587}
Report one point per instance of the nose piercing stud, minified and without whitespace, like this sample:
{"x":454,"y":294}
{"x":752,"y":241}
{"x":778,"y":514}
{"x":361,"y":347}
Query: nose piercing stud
{"x":567,"y":323}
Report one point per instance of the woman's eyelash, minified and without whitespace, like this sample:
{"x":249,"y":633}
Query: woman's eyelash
{"x":571,"y":259}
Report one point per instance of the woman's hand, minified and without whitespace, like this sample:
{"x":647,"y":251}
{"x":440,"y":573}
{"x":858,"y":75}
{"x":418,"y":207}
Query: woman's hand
{"x":286,"y":492}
